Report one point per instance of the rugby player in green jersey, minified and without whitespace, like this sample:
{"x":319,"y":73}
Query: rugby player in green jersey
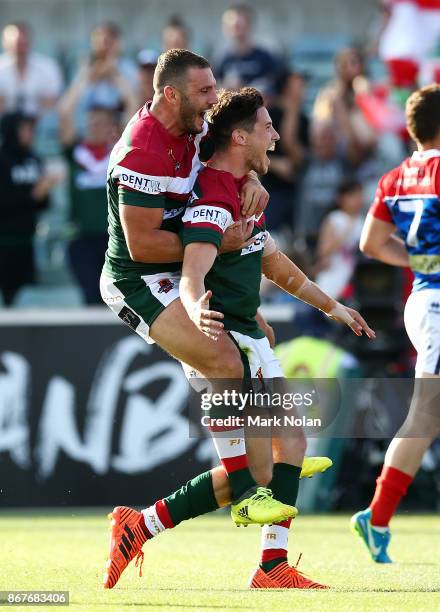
{"x":227,"y":286}
{"x":151,"y":175}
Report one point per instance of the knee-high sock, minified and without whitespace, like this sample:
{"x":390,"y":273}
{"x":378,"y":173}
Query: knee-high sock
{"x":231,"y":449}
{"x":391,"y":486}
{"x":195,"y":498}
{"x":274,"y":538}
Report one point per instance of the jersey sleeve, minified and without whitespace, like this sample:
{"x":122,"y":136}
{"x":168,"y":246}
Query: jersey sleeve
{"x":206,"y":222}
{"x":141,"y":179}
{"x":379,"y":209}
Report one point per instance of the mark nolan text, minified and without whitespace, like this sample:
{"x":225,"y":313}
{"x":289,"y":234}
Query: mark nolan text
{"x":286,"y":420}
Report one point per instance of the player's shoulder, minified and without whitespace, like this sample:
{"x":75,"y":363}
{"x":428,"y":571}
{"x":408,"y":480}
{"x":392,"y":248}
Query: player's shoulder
{"x":141,"y":147}
{"x":217,"y":186}
{"x":389,"y":183}
{"x":147,"y":134}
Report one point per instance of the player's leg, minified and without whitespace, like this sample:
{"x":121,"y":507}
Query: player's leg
{"x":150,"y":305}
{"x":130,"y":529}
{"x":223,"y":365}
{"x":288,"y":448}
{"x":421,"y":427}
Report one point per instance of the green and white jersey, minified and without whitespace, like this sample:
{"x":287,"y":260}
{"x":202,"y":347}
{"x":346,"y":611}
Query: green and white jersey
{"x":235,"y":277}
{"x":152,"y":169}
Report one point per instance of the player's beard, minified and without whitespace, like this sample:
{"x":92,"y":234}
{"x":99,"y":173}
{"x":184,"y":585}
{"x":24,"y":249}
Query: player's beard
{"x":189,"y":116}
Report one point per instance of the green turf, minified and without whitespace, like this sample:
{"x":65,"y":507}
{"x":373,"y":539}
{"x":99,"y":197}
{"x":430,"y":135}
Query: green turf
{"x":204,"y":565}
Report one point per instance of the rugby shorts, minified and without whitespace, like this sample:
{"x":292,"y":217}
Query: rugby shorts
{"x":139,"y":301}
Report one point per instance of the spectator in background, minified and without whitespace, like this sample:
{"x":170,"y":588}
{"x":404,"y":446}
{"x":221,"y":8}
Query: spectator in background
{"x":24,"y":191}
{"x":88,"y":159}
{"x":147,"y":60}
{"x":175,"y":34}
{"x":29,"y":81}
{"x":323,"y":171}
{"x":290,"y":121}
{"x":336,"y":102}
{"x":338,"y":241}
{"x":409,"y":38}
{"x":106,"y":79}
{"x":244,"y":63}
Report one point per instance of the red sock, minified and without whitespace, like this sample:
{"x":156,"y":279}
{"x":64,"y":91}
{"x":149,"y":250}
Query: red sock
{"x":391,"y":486}
{"x":274,"y":542}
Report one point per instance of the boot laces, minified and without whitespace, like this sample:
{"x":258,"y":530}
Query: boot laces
{"x":139,"y":556}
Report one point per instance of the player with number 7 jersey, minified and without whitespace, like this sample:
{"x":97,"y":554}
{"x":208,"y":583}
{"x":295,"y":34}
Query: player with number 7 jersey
{"x":403,"y":229}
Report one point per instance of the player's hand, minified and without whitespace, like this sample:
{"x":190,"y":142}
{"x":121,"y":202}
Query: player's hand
{"x":352,"y":318}
{"x":237,"y":236}
{"x":254,"y":198}
{"x":207,"y":320}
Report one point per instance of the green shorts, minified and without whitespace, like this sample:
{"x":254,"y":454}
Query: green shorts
{"x":139,"y":301}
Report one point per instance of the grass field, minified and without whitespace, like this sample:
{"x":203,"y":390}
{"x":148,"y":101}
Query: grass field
{"x":204,"y":565}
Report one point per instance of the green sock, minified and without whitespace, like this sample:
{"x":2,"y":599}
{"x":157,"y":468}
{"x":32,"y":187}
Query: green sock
{"x":284,"y":485}
{"x":240,"y":481}
{"x":196,"y":497}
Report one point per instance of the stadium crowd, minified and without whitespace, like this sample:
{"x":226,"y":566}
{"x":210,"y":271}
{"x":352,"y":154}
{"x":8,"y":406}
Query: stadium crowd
{"x":341,"y":128}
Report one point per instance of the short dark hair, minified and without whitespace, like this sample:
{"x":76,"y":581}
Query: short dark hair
{"x":348,"y":185}
{"x":423,"y":113}
{"x":175,"y":21}
{"x":110,"y":26}
{"x":244,"y":9}
{"x":172,"y":67}
{"x":234,"y":109}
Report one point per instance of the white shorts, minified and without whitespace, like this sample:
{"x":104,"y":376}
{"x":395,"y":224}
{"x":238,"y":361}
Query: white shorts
{"x":139,"y":301}
{"x":422,"y":323}
{"x":262,"y":360}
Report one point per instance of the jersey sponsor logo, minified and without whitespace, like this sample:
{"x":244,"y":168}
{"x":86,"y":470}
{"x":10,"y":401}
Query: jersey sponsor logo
{"x":208,"y":214}
{"x":165,"y":285}
{"x":257,"y":245}
{"x":152,"y":185}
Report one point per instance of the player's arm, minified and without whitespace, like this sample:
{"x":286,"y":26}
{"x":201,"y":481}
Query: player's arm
{"x":267,"y":329}
{"x":146,"y":242}
{"x":378,"y":237}
{"x":279,"y":269}
{"x":378,"y":240}
{"x":141,"y":201}
{"x":204,"y":226}
{"x":197,"y":261}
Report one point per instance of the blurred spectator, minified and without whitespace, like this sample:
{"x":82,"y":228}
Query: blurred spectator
{"x":29,"y":81}
{"x":338,"y":241}
{"x":244,"y":63}
{"x":175,"y":34}
{"x":25,"y":189}
{"x":88,"y":159}
{"x":106,"y":79}
{"x":290,"y":121}
{"x":336,"y":102}
{"x":409,"y":38}
{"x":147,"y":60}
{"x":323,"y":171}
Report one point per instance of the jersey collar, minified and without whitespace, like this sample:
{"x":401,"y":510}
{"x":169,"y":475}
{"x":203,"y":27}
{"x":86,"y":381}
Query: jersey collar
{"x":420,"y":156}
